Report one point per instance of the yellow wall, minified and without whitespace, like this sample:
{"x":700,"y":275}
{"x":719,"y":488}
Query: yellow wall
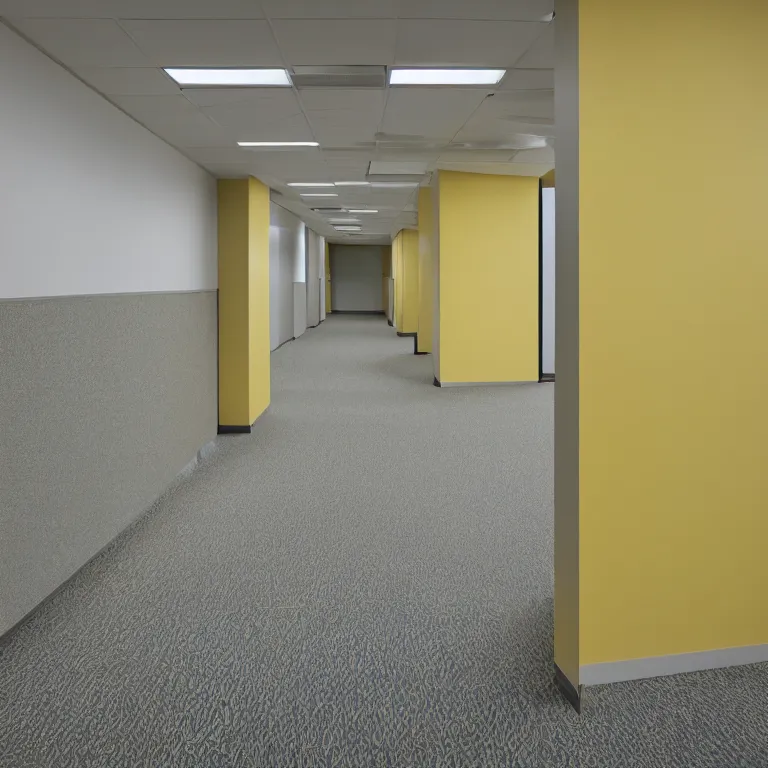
{"x":386,"y":273}
{"x":488,"y":310}
{"x":410,"y":281}
{"x":327,"y":279}
{"x":673,"y":370}
{"x":244,"y":371}
{"x":426,"y":272}
{"x":397,"y":266}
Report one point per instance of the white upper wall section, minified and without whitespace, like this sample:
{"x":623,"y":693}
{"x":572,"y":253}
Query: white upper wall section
{"x":92,"y":202}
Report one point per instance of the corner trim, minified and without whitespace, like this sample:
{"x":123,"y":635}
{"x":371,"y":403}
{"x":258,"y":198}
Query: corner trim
{"x":568,"y":689}
{"x":390,"y":324}
{"x":416,"y":345}
{"x":674,"y":664}
{"x":436,"y":383}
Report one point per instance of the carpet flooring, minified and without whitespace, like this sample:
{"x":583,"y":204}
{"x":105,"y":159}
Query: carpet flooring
{"x":364,"y":581}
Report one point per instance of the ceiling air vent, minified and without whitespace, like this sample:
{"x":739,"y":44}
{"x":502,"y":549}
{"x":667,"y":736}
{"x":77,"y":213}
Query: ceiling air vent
{"x":339,"y":77}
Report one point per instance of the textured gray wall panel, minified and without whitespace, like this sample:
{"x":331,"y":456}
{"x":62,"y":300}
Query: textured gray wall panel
{"x":104,"y":401}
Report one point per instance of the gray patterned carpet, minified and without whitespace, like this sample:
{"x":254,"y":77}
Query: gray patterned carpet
{"x":365,"y":581}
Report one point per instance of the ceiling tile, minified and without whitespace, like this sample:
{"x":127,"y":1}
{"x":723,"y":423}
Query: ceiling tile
{"x":219,"y":43}
{"x":528,"y":79}
{"x":331,"y":9}
{"x":498,"y":169}
{"x":471,"y":43}
{"x":364,"y":101}
{"x":343,"y":41}
{"x":512,"y":105}
{"x":135,"y":81}
{"x":143,"y":106}
{"x":350,"y":133}
{"x":484,"y":129}
{"x":176,"y":120}
{"x":541,"y":54}
{"x":84,"y":42}
{"x":544,"y":155}
{"x":491,"y":10}
{"x":432,"y":113}
{"x":277,"y":101}
{"x":133,"y":9}
{"x":250,"y":125}
{"x":475,"y":156}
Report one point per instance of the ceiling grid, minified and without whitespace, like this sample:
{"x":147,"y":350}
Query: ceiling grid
{"x":121,"y":47}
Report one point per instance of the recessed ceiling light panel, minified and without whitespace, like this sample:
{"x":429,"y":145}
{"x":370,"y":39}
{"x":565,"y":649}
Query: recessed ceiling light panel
{"x":310,"y":184}
{"x":318,"y":194}
{"x":352,"y":183}
{"x":348,"y":229}
{"x":273,"y":144}
{"x":358,"y":210}
{"x":230,"y":77}
{"x":446,"y":76}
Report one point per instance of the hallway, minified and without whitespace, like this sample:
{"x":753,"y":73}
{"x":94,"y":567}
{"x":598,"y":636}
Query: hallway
{"x":364,"y":581}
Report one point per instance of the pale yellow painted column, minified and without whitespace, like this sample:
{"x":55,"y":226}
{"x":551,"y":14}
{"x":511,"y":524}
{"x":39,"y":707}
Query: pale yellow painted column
{"x":487,"y":251}
{"x":386,"y":274}
{"x":409,"y":282}
{"x":244,"y":364}
{"x":426,"y":273}
{"x":397,"y":266}
{"x":661,"y":415}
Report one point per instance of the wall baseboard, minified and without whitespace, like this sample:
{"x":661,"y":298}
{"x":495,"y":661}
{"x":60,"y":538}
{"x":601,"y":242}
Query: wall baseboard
{"x":202,"y":455}
{"x":568,"y":689}
{"x":390,"y":324}
{"x":483,"y":383}
{"x":416,"y":345}
{"x":406,"y":335}
{"x":547,"y":378}
{"x":675,"y":664}
{"x":288,"y":341}
{"x":358,"y":312}
{"x":235,"y":429}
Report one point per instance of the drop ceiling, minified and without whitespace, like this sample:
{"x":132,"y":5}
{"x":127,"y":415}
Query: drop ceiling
{"x":119,"y":47}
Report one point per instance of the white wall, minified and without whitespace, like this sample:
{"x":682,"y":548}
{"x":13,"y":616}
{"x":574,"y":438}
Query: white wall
{"x":315,"y":255}
{"x":286,"y":267}
{"x":548,"y":281}
{"x":356,"y":278}
{"x":92,"y":203}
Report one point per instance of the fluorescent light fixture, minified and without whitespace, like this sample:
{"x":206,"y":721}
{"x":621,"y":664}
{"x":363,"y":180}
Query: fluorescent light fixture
{"x":243,"y":77}
{"x":348,"y":229}
{"x":277,"y":144}
{"x":446,"y":76}
{"x":359,"y":210}
{"x":344,"y":221}
{"x":352,"y":183}
{"x":310,"y":184}
{"x":394,"y":184}
{"x":318,"y":194}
